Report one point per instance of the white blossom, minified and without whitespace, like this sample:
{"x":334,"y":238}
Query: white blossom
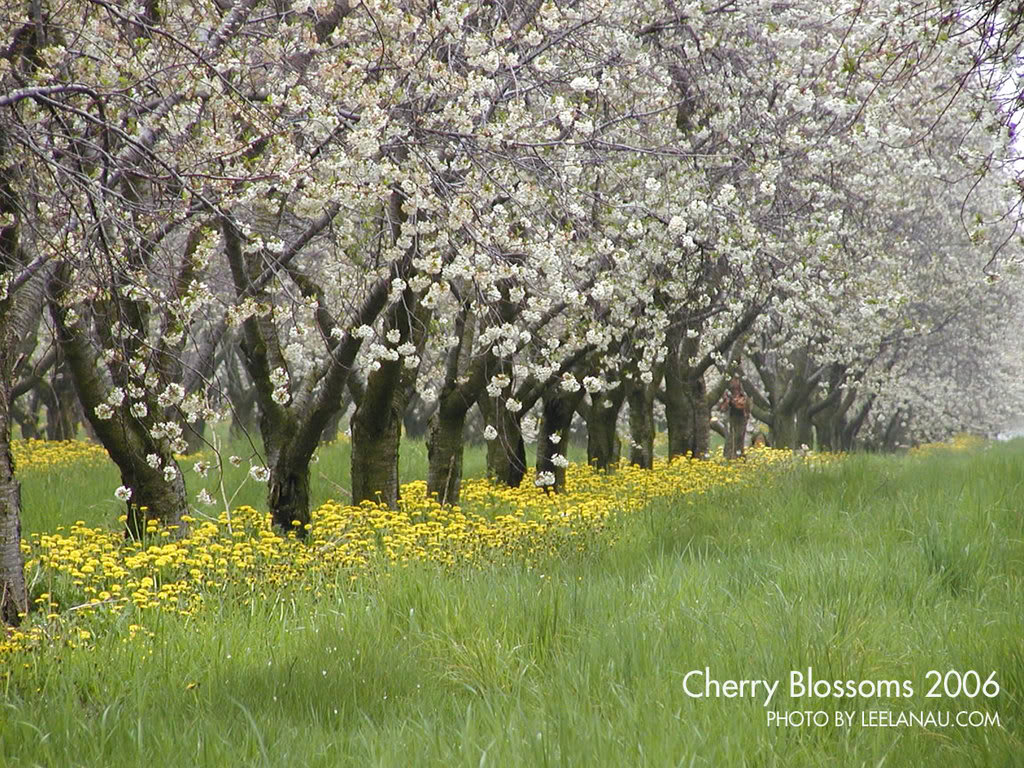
{"x":497,"y":384}
{"x":584,"y":83}
{"x":544,"y":479}
{"x":569,"y":382}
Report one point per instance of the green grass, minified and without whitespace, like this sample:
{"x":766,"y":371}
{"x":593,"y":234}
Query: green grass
{"x":879,"y":568}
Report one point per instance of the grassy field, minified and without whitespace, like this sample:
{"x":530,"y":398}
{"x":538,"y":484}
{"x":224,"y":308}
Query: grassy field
{"x":574,"y":654}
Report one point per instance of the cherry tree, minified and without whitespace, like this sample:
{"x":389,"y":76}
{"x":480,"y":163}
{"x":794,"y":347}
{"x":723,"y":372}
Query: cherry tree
{"x":14,"y":274}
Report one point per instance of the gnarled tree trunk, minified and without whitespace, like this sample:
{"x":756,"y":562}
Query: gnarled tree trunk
{"x":445,"y":441}
{"x":377,"y":421}
{"x":604,"y":448}
{"x":147,"y":464}
{"x":506,"y":454}
{"x":13,"y":597}
{"x":640,"y":397}
{"x":557,"y":410}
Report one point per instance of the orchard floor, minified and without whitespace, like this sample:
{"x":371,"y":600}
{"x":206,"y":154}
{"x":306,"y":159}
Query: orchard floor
{"x":586,"y":642}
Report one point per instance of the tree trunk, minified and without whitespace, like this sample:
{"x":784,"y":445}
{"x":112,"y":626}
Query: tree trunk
{"x":825,"y":433}
{"x":289,"y":495}
{"x":154,"y":497}
{"x":604,"y":447}
{"x":157,"y":488}
{"x":13,"y":594}
{"x":701,"y":410}
{"x":506,"y":454}
{"x":783,"y":428}
{"x":804,"y":427}
{"x":686,"y":408}
{"x":447,"y":426}
{"x":377,"y":421}
{"x":558,"y":408}
{"x":376,"y":436}
{"x":688,"y":415}
{"x":61,"y":403}
{"x":27,"y":418}
{"x":641,"y":424}
{"x":444,"y":454}
{"x":13,"y":597}
{"x":679,"y":414}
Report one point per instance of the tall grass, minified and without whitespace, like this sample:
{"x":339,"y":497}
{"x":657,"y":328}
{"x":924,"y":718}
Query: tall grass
{"x":877,"y":568}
